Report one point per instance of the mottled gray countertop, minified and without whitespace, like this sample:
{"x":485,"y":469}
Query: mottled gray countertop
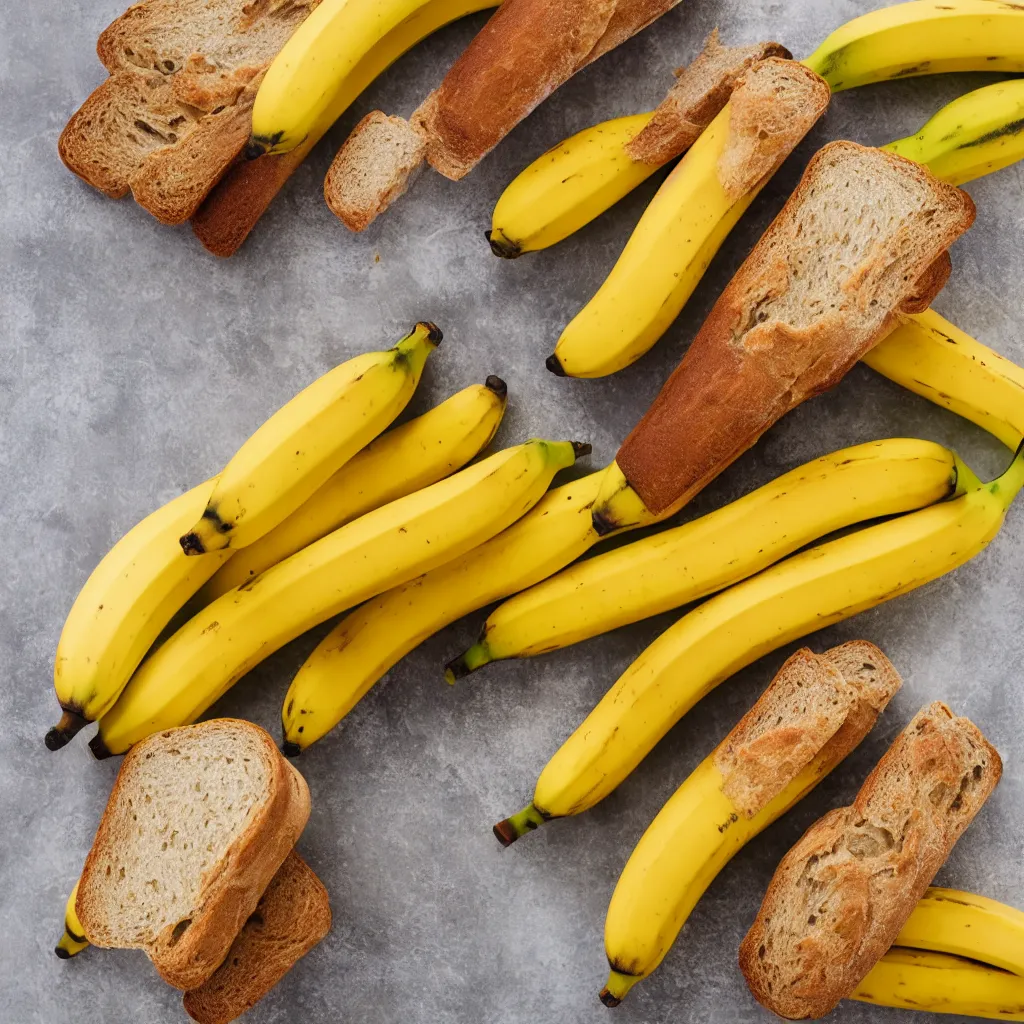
{"x":132,"y":364}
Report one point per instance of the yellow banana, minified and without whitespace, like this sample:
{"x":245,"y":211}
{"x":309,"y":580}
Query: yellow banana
{"x":807,"y":591}
{"x":382,"y":549}
{"x":307,"y":440}
{"x":73,"y":941}
{"x":369,"y":641}
{"x":331,"y":57}
{"x":931,"y":357}
{"x":135,"y":591}
{"x":693,"y":837}
{"x":558,"y":193}
{"x":405,"y":459}
{"x":912,"y":979}
{"x":689,"y":562}
{"x":922,"y":38}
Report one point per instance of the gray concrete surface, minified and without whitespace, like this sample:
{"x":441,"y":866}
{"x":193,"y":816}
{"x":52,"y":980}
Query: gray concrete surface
{"x":132,"y":364}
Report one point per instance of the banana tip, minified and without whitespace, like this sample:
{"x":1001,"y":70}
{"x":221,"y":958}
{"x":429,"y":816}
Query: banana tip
{"x":497,"y":385}
{"x":254,"y":149}
{"x":555,"y":366}
{"x":99,"y":748}
{"x":62,"y":953}
{"x":192,"y":544}
{"x":70,"y":724}
{"x":290,"y":749}
{"x":434,"y":333}
{"x":608,"y":999}
{"x":581,"y":449}
{"x":501,"y":246}
{"x":505,"y":833}
{"x":603,"y":524}
{"x":456,"y":669}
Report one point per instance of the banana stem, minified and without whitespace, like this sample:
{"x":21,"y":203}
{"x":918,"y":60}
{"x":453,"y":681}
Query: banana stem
{"x":1008,"y":485}
{"x":469,"y":661}
{"x":511,"y":829}
{"x":70,"y":724}
{"x":617,"y":988}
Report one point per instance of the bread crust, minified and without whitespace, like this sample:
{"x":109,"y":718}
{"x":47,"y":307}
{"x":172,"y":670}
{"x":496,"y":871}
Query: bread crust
{"x":840,"y":897}
{"x":743,"y":373}
{"x":232,"y":887}
{"x":292,"y":916}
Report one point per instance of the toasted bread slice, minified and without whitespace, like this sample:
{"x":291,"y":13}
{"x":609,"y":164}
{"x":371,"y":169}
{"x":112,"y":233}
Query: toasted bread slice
{"x":702,"y":88}
{"x":176,"y":109}
{"x":817,"y":703}
{"x":840,"y":897}
{"x":864,"y":235}
{"x":198,"y":822}
{"x":292,"y":916}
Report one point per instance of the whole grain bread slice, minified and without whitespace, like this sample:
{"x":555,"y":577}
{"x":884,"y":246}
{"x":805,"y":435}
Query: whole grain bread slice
{"x":817,"y":704}
{"x":176,"y":109}
{"x":292,"y":916}
{"x":840,"y":897}
{"x":864,"y":236}
{"x":198,"y":822}
{"x":701,"y":89}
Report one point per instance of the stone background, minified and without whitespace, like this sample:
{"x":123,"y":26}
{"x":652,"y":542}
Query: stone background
{"x":132,"y":365}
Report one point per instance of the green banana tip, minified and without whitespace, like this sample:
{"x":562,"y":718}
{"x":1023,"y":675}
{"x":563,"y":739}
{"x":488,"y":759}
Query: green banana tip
{"x":70,"y":724}
{"x":518,"y":825}
{"x":1012,"y":479}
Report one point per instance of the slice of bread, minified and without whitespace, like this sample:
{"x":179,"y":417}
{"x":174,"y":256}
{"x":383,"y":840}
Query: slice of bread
{"x":865,"y":233}
{"x":702,"y":88}
{"x":176,"y":109}
{"x":840,"y":897}
{"x":198,"y":822}
{"x":817,"y":703}
{"x":372,"y":169}
{"x":292,"y":916}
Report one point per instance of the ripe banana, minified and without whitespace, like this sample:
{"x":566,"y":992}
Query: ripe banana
{"x":937,"y":983}
{"x":73,"y":941}
{"x":807,"y":591}
{"x":332,"y":56}
{"x":931,"y":357}
{"x":693,"y":837}
{"x":558,"y":193}
{"x":307,"y":440}
{"x":383,"y":549}
{"x":922,"y":38}
{"x":689,"y":562}
{"x":135,"y":591}
{"x":400,"y":462}
{"x":373,"y":638}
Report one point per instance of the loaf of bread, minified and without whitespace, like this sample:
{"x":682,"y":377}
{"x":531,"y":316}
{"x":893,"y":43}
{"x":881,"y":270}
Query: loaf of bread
{"x":177,"y":107}
{"x":864,"y":236}
{"x":840,"y":897}
{"x":292,"y":916}
{"x":199,"y":821}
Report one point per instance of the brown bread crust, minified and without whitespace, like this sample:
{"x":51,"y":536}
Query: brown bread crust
{"x":292,"y":916}
{"x":840,"y":897}
{"x":232,"y":887}
{"x":747,"y":369}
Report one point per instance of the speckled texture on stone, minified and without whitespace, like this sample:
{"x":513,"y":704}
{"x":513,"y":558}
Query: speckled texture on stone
{"x":133,"y":364}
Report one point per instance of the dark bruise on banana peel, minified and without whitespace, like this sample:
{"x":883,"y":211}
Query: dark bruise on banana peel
{"x":71,"y":723}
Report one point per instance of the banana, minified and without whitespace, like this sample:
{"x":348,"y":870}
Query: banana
{"x":912,"y":979}
{"x":689,"y":562}
{"x":931,"y":357}
{"x":977,"y":134}
{"x":963,"y":924}
{"x":922,"y":38}
{"x":806,"y":592}
{"x":135,"y":591}
{"x":373,"y":638}
{"x":331,"y":57}
{"x":73,"y":941}
{"x":306,"y":441}
{"x":383,"y":549}
{"x":693,"y":837}
{"x":405,"y":459}
{"x":556,"y":195}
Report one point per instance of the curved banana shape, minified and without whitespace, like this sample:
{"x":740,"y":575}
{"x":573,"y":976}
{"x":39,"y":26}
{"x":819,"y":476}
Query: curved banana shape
{"x":400,"y":462}
{"x":307,"y":440}
{"x":931,"y":357}
{"x":977,"y":134}
{"x":135,"y":591}
{"x":806,"y":592}
{"x":73,"y":941}
{"x":937,"y":983}
{"x":922,"y":38}
{"x":693,"y":837}
{"x":558,"y":193}
{"x":681,"y":565}
{"x":373,"y":638}
{"x":306,"y":88}
{"x":963,"y":924}
{"x":382,"y":549}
